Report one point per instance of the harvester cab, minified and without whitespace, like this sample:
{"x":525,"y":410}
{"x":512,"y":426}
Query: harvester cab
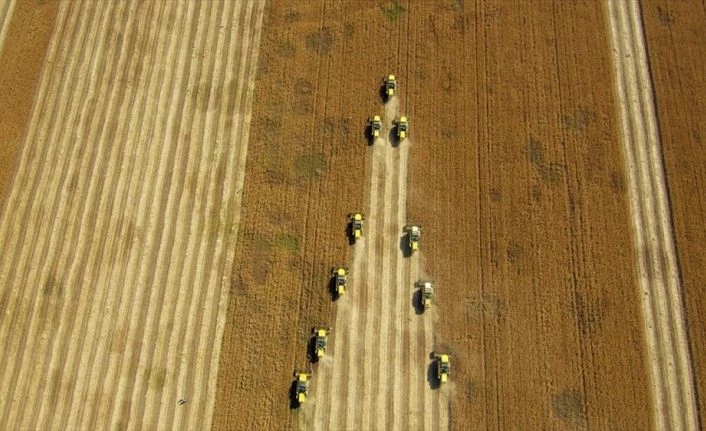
{"x":402,"y":127}
{"x":390,"y":85}
{"x":427,"y":289}
{"x":414,"y":234}
{"x":321,"y":340}
{"x":302,"y":386}
{"x":340,"y":275}
{"x":443,"y":367}
{"x":375,"y":126}
{"x":357,"y":224}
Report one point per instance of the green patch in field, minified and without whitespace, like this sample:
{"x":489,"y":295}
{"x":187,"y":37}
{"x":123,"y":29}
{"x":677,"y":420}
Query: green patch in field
{"x":157,"y":378}
{"x":348,"y":29}
{"x":286,"y":50}
{"x":288,"y":242}
{"x":535,"y":153}
{"x":309,"y":165}
{"x":569,"y":407}
{"x":549,"y":171}
{"x":52,"y":286}
{"x":320,"y":41}
{"x":579,"y":120}
{"x":393,"y":11}
{"x":291,"y":17}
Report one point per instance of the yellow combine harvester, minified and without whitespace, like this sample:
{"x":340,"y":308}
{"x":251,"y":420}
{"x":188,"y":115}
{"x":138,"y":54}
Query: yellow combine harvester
{"x":356,"y":224}
{"x":340,"y":275}
{"x":390,"y":85}
{"x":321,"y":341}
{"x":402,"y":127}
{"x":414,"y":234}
{"x":443,"y":367}
{"x":427,"y":291}
{"x":375,"y":126}
{"x":302,"y":386}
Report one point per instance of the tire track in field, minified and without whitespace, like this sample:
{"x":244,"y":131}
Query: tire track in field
{"x":385,"y":346}
{"x":99,"y":232}
{"x":6,"y":9}
{"x":674,"y":405}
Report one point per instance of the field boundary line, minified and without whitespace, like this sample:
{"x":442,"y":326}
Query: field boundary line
{"x":674,"y":404}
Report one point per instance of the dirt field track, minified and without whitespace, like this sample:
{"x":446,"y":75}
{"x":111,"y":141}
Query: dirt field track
{"x":120,"y":226}
{"x":677,"y":55}
{"x":674,"y":401}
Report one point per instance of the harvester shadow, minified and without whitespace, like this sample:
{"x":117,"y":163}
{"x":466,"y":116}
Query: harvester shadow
{"x":394,"y":139}
{"x":404,"y":245}
{"x":384,"y":98}
{"x":368,"y":134}
{"x":432,"y":378}
{"x":293,"y":402}
{"x":417,"y":302}
{"x":349,"y":233}
{"x":332,"y":289}
{"x":311,"y":350}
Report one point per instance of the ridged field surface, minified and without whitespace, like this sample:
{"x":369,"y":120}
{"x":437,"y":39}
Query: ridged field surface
{"x":119,"y":230}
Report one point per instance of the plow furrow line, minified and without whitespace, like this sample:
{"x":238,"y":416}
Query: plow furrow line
{"x":674,"y":405}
